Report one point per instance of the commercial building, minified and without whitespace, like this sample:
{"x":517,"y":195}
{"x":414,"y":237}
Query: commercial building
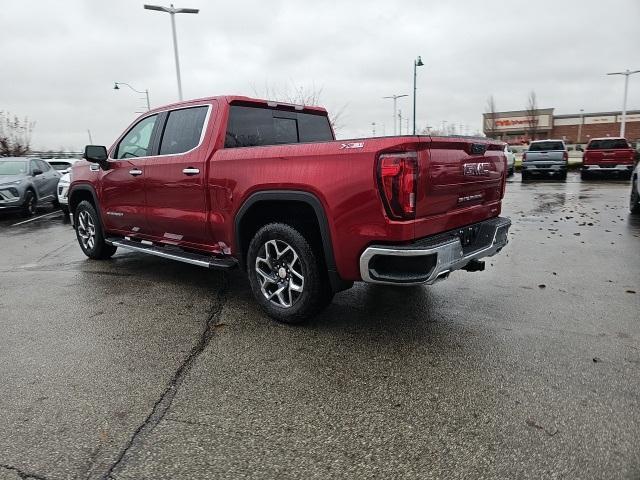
{"x":521,"y":126}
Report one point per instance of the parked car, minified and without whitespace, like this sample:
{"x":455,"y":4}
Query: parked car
{"x":545,"y":158}
{"x":634,"y":201}
{"x":63,"y":165}
{"x":63,"y":193}
{"x":511,"y":160}
{"x":228,"y":182}
{"x":25,"y":183}
{"x":608,"y":156}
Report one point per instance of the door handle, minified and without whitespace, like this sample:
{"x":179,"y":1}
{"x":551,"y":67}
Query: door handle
{"x":191,"y":171}
{"x":135,"y":172}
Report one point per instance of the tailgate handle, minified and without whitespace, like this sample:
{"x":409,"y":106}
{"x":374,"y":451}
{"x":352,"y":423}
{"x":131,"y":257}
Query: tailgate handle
{"x":478,"y":148}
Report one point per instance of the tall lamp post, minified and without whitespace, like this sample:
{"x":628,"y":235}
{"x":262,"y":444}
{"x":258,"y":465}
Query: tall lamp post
{"x":626,"y":74}
{"x":116,"y":86}
{"x":172,"y":11}
{"x":395,"y":111}
{"x":416,"y":63}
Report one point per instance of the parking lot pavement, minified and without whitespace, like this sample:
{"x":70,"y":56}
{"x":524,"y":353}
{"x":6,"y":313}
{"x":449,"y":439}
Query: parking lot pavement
{"x":143,"y":368}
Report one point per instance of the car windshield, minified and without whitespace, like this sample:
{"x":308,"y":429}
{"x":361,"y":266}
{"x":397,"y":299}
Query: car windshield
{"x":13,"y":167}
{"x":545,"y":146}
{"x":608,"y":144}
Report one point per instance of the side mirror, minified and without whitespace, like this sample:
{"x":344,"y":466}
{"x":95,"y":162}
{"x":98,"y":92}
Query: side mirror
{"x":36,"y":172}
{"x":97,"y":154}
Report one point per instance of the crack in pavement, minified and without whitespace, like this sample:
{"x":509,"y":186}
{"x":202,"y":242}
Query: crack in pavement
{"x":163,"y":404}
{"x":21,"y":473}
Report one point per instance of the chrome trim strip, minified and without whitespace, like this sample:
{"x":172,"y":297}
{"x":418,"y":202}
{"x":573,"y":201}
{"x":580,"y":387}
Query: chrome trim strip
{"x":618,"y":166}
{"x":450,"y":257}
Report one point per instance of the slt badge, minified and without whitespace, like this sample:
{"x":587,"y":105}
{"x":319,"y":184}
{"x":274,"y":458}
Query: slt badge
{"x":352,"y":145}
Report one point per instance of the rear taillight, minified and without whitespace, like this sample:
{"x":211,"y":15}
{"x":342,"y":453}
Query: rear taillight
{"x":565,"y":156}
{"x":524,"y":156}
{"x":398,"y":180}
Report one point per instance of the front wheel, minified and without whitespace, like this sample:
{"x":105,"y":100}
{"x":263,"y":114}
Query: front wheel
{"x":89,"y":232}
{"x":30,"y":204}
{"x":287,"y":277}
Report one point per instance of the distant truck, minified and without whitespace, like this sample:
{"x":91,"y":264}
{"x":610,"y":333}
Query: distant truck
{"x":608,"y":156}
{"x":231,"y":181}
{"x":545,"y":158}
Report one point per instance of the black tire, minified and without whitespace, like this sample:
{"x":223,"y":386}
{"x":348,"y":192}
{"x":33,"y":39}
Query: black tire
{"x":525,"y":176}
{"x":87,"y":225}
{"x":584,"y":175}
{"x":563,"y":177}
{"x":30,"y":204}
{"x":65,"y":209}
{"x":634,"y":201}
{"x":55,"y":203}
{"x":271,"y":250}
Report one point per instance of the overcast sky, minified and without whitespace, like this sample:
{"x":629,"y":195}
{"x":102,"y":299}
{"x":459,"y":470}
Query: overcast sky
{"x":60,"y":59}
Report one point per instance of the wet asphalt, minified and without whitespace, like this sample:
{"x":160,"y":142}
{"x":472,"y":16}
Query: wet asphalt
{"x":142,"y":368}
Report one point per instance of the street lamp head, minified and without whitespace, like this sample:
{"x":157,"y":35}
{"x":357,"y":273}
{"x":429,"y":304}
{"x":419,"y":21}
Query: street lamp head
{"x":419,"y":62}
{"x":115,"y":86}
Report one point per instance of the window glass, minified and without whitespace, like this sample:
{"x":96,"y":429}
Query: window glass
{"x":60,"y":165}
{"x":608,"y":144}
{"x":44,"y":166}
{"x":285,"y":130}
{"x":137,"y":142}
{"x":34,"y":166}
{"x":545,"y":146}
{"x":253,"y":126}
{"x":183,"y":130}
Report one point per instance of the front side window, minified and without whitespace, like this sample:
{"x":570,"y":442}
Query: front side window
{"x":34,"y":166}
{"x":137,"y":143}
{"x":44,"y":166}
{"x":183,"y":130}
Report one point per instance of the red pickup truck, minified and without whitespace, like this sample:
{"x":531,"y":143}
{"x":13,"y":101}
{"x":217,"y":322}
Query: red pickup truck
{"x":228,"y":182}
{"x":608,"y":155}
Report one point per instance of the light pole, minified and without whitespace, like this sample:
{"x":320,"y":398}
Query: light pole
{"x":626,"y":74}
{"x":146,"y":92}
{"x":580,"y":125}
{"x":172,"y":11}
{"x":395,"y":111}
{"x":416,"y":63}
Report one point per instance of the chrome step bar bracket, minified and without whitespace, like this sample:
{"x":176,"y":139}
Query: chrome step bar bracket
{"x":201,"y":260}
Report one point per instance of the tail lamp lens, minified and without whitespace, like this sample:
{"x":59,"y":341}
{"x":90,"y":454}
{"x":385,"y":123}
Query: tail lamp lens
{"x":565,"y":156}
{"x":397,"y":180}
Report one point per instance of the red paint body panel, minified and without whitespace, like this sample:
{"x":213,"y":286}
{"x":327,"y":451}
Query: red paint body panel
{"x":203,"y":209}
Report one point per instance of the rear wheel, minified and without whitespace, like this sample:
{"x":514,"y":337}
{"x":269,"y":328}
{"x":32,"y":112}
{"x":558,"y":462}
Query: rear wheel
{"x":525,"y":176}
{"x":584,"y":175}
{"x":89,"y":232}
{"x":30,"y":204}
{"x":287,"y":277}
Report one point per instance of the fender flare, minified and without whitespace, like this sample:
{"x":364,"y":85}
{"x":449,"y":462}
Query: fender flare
{"x":294,"y":196}
{"x":86,"y":188}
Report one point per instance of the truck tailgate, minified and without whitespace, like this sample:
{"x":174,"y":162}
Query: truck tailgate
{"x":461,"y":181}
{"x":608,"y":157}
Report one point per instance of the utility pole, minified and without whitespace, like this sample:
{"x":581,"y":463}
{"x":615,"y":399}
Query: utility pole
{"x":395,"y":110}
{"x":373,"y":129}
{"x":400,"y":120}
{"x":627,"y":73}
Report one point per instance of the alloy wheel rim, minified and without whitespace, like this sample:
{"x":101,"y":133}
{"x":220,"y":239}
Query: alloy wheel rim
{"x":86,"y":230}
{"x":32,"y":205}
{"x":280,"y":273}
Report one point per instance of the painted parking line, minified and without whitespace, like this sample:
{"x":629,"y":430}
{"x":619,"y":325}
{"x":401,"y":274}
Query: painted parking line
{"x":36,"y":218}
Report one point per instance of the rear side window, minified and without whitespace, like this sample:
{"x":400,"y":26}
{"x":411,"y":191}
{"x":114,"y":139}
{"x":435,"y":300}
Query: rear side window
{"x":183,"y":130}
{"x":608,"y":144}
{"x":255,"y":126}
{"x":545,"y":146}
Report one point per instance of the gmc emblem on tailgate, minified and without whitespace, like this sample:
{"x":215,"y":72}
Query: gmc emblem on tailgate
{"x":476,"y":169}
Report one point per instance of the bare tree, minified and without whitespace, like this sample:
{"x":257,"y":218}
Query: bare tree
{"x":532,"y":115}
{"x":491,"y":116}
{"x":15,"y":135}
{"x":301,"y":95}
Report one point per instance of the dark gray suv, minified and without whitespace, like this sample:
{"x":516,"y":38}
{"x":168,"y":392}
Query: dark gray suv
{"x":25,"y":183}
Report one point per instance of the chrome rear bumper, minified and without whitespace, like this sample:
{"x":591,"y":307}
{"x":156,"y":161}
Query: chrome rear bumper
{"x":433,"y":258}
